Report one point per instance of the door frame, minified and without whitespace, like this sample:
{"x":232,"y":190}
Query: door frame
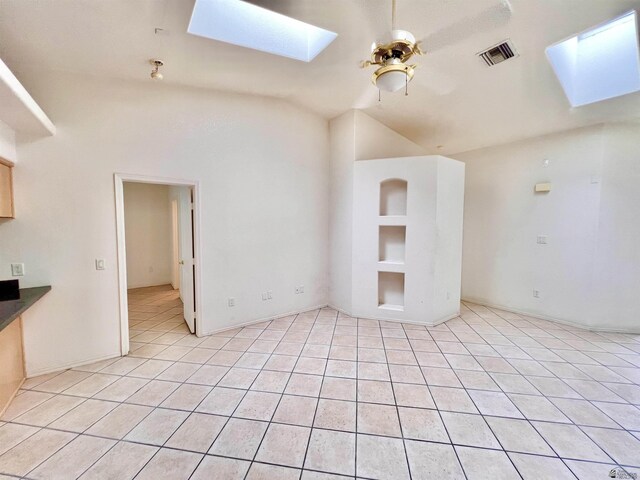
{"x":119,"y":179}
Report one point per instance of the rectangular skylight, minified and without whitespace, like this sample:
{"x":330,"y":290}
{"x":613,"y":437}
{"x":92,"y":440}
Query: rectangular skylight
{"x":247,"y":25}
{"x":600,"y":63}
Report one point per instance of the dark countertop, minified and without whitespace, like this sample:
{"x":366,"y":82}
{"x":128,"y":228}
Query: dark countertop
{"x":12,"y":309}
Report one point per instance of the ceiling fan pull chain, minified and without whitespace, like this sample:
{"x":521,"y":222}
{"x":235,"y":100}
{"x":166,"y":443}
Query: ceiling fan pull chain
{"x":406,"y":85}
{"x":379,"y":95}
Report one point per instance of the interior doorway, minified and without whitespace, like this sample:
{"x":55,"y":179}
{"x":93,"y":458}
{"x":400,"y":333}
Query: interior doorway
{"x":157,"y":255}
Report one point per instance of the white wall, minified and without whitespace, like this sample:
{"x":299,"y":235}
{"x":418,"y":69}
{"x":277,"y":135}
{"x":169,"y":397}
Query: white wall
{"x":353,"y":136}
{"x":148,"y":234}
{"x":617,"y":265}
{"x":449,"y":237}
{"x":588,"y":272}
{"x":7,"y":143}
{"x":375,"y":140}
{"x":341,"y":158}
{"x":263,"y":172}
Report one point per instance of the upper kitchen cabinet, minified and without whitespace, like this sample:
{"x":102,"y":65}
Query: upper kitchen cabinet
{"x":6,"y":191}
{"x":20,"y":117}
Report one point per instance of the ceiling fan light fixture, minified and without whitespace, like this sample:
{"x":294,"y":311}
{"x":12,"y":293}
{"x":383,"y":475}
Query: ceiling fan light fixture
{"x":391,"y":55}
{"x":155,"y":73}
{"x":393,"y":76}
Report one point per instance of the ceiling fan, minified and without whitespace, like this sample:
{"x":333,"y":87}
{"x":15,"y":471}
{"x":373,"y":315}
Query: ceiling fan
{"x":392,"y":54}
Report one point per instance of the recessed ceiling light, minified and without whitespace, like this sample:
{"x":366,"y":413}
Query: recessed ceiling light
{"x":599,"y":63}
{"x":248,"y":25}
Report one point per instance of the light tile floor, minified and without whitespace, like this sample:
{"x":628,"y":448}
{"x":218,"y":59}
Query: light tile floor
{"x":488,"y":395}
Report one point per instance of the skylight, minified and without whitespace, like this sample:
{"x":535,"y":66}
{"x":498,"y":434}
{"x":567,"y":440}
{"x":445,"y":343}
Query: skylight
{"x":247,"y":25}
{"x":600,"y":63}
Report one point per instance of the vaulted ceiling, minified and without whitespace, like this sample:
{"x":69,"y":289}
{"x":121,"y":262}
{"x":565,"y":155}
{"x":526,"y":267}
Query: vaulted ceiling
{"x":455,"y":102}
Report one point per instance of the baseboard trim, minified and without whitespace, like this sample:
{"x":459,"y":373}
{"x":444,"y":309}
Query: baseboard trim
{"x":261,"y":320}
{"x":569,"y":323}
{"x":596,"y":328}
{"x":44,"y":371}
{"x":134,"y":287}
{"x":394,"y":320}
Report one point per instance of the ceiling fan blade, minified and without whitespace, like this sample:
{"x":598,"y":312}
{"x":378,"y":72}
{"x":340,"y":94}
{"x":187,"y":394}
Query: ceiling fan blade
{"x":488,"y":19}
{"x":435,"y":80}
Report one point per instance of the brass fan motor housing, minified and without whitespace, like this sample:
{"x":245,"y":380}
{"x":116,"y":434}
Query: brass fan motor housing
{"x":403,"y":50}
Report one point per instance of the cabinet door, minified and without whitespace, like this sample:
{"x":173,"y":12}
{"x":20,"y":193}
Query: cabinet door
{"x":12,"y":361}
{"x":6,"y":192}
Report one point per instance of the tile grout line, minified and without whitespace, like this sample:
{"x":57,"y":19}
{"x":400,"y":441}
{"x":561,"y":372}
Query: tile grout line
{"x":533,"y":426}
{"x":246,"y":392}
{"x":395,"y":400}
{"x":435,"y":404}
{"x":529,"y":421}
{"x":315,"y":413}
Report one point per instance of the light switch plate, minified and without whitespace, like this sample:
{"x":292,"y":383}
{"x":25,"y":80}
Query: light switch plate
{"x":100,"y":264}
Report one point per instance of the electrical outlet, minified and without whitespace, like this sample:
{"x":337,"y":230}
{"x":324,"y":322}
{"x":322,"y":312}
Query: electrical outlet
{"x":541,"y":239}
{"x":264,"y":296}
{"x":269,"y":294}
{"x":301,"y":288}
{"x":297,"y":290}
{"x":100,"y":264}
{"x":536,"y":294}
{"x":231,"y":302}
{"x":17,"y":269}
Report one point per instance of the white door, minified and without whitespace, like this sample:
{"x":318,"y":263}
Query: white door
{"x":175,"y":246}
{"x":187,"y":273}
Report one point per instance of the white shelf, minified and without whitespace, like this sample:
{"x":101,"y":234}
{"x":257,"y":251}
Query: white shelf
{"x":395,"y":308}
{"x":392,"y":220}
{"x":394,"y":267}
{"x":18,"y":109}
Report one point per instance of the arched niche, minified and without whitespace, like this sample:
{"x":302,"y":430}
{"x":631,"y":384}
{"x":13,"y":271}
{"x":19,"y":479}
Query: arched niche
{"x":393,"y":197}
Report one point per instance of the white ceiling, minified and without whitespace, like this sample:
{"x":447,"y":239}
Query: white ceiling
{"x":454,"y":101}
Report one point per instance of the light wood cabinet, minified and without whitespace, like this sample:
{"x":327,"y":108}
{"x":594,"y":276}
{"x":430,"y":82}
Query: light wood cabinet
{"x":11,"y":362}
{"x":6,"y":191}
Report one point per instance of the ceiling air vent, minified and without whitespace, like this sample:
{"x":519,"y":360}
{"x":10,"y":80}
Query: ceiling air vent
{"x":498,"y":53}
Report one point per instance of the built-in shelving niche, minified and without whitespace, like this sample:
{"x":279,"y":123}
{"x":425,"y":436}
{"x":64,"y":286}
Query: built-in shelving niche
{"x":393,"y":197}
{"x":392,"y":244}
{"x":391,"y":291}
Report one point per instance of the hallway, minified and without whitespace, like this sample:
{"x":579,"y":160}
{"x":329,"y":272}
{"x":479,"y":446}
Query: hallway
{"x":154,"y":311}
